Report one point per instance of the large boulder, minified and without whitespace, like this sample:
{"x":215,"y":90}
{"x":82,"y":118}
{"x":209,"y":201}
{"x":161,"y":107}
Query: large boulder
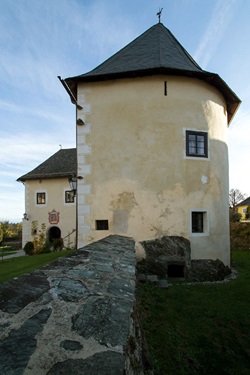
{"x":161,"y":254}
{"x":207,"y":270}
{"x":168,"y":257}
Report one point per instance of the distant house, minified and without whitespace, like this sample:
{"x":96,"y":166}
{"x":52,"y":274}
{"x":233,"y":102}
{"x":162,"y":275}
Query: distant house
{"x":242,"y":207}
{"x":152,"y":146}
{"x":49,"y":199}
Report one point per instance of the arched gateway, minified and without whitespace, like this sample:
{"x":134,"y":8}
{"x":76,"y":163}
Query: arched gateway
{"x":54,"y":233}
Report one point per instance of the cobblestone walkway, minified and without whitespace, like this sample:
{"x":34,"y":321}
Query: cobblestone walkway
{"x":72,"y":316}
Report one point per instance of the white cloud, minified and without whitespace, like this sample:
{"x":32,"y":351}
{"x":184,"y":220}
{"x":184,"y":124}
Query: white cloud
{"x":239,"y":151}
{"x":29,"y":147}
{"x":6,"y":184}
{"x":216,"y":29}
{"x":22,"y":153}
{"x":42,"y":39}
{"x":33,"y":111}
{"x":12,"y":206}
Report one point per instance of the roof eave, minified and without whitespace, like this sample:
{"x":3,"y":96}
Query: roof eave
{"x":213,"y":79}
{"x":45,"y":176}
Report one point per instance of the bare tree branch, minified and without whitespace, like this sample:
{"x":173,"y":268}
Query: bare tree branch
{"x":235,"y":197}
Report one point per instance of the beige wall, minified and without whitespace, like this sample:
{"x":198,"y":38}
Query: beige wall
{"x":131,"y":153}
{"x":55,"y":194}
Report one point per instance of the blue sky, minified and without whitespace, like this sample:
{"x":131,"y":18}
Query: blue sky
{"x":41,"y":39}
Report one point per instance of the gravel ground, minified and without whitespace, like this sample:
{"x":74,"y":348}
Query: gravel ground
{"x":19,"y":253}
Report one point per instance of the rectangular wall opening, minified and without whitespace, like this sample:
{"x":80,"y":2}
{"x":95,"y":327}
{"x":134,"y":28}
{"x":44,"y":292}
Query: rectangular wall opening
{"x":175,"y":270}
{"x":102,"y":225}
{"x":199,"y":222}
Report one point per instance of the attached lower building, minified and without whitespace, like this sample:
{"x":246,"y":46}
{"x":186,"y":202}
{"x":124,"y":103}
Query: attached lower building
{"x":49,"y":199}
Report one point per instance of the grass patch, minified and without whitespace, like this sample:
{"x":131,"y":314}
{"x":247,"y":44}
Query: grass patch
{"x":199,"y":329}
{"x":13,"y":267}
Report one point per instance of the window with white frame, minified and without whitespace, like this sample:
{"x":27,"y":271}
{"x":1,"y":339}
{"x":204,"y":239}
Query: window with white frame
{"x":199,"y":222}
{"x":196,"y":144}
{"x":41,"y":198}
{"x":69,"y":196}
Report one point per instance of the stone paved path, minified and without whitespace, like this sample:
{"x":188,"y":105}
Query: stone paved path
{"x":19,"y":253}
{"x":72,"y":316}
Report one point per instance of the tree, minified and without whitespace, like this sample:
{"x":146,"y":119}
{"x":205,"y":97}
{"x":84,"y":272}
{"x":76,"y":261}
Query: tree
{"x":235,"y":197}
{"x":248,"y":212}
{"x":1,"y":233}
{"x":11,"y":230}
{"x":234,"y":217}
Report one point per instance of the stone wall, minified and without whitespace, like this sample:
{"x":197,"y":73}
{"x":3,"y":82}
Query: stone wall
{"x":170,"y":257}
{"x":74,"y":316}
{"x":16,"y":244}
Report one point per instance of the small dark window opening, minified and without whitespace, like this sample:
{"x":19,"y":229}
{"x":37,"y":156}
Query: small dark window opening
{"x":197,"y":222}
{"x":165,"y":88}
{"x":102,"y":225}
{"x":196,"y":144}
{"x":175,"y":270}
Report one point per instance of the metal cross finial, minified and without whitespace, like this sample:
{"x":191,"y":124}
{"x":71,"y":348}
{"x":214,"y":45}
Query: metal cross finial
{"x":159,"y":14}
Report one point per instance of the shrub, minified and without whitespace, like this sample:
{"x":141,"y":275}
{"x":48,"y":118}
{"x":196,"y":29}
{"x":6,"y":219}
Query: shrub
{"x":57,"y":244}
{"x":29,"y":248}
{"x":1,"y":233}
{"x":39,"y":236}
{"x":234,"y":217}
{"x":46,"y":248}
{"x":248,"y":212}
{"x":6,"y":248}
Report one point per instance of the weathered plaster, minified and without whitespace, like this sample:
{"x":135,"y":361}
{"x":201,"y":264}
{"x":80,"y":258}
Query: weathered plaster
{"x":133,"y":159}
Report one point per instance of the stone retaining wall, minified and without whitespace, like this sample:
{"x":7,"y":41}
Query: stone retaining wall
{"x":17,"y":245}
{"x":74,"y":316}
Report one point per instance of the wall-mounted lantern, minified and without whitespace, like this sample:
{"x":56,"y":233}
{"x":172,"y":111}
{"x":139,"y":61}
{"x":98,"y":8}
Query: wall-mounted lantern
{"x":80,"y":122}
{"x":25,"y":216}
{"x":72,"y":184}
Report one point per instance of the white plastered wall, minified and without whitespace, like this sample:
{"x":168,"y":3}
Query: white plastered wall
{"x":131,"y":154}
{"x":55,"y":200}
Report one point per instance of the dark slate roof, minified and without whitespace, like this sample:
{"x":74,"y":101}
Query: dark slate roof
{"x":246,"y":202}
{"x":157,"y":47}
{"x":155,"y":52}
{"x":62,"y":164}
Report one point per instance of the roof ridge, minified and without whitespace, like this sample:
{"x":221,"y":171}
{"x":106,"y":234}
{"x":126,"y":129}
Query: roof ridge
{"x":116,"y":55}
{"x":186,"y":64}
{"x":244,"y":202}
{"x":62,"y":163}
{"x":185,"y":51}
{"x":159,"y":48}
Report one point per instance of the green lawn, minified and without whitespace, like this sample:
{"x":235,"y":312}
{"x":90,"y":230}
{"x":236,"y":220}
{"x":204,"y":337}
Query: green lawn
{"x":190,"y":330}
{"x":12,"y":267}
{"x":199,"y":329}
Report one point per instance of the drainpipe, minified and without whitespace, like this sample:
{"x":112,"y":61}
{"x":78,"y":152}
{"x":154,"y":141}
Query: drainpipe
{"x":71,"y":95}
{"x":76,"y":184}
{"x":78,"y":107}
